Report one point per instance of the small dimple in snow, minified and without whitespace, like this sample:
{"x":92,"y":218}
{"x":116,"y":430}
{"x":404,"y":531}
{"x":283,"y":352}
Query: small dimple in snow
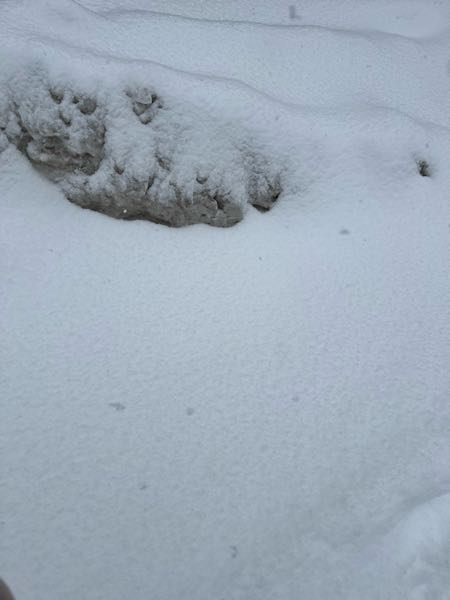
{"x":118,"y":406}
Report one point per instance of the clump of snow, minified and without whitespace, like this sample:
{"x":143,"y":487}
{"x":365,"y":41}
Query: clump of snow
{"x":421,"y":544}
{"x":131,"y":154}
{"x":56,"y":128}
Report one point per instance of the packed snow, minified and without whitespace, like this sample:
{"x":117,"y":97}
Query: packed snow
{"x":253,"y":413}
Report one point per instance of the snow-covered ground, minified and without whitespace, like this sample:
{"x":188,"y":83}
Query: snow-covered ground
{"x":256,"y":413}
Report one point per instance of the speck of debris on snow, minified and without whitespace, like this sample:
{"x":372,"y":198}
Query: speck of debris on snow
{"x":118,"y":406}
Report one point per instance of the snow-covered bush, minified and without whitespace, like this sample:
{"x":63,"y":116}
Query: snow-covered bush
{"x":131,"y":154}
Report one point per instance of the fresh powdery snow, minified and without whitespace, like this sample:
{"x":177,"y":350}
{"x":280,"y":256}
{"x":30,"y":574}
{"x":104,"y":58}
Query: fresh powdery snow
{"x":256,"y":410}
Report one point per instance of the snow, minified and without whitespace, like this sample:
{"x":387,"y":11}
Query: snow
{"x":254,"y":413}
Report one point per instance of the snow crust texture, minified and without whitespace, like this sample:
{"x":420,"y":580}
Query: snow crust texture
{"x":132,"y":155}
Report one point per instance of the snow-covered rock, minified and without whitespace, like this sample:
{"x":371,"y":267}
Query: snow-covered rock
{"x":131,"y":154}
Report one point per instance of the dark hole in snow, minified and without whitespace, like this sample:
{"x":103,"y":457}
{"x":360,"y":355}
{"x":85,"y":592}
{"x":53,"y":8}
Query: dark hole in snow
{"x":150,"y":181}
{"x":220,"y":201}
{"x":424,"y":168}
{"x":57,"y":96}
{"x":65,"y":119}
{"x":87,"y":106}
{"x":163,"y":162}
{"x":262,"y":209}
{"x":344,"y":232}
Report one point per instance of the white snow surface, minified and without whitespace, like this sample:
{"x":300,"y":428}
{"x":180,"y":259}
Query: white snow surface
{"x":257,"y":413}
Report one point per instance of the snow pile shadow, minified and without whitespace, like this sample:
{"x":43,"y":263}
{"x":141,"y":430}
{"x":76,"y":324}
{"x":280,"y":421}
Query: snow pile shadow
{"x":132,"y":154}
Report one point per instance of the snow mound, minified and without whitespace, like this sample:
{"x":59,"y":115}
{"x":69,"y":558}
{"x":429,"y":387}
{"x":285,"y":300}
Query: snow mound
{"x":423,"y":542}
{"x":131,"y":154}
{"x":416,"y":551}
